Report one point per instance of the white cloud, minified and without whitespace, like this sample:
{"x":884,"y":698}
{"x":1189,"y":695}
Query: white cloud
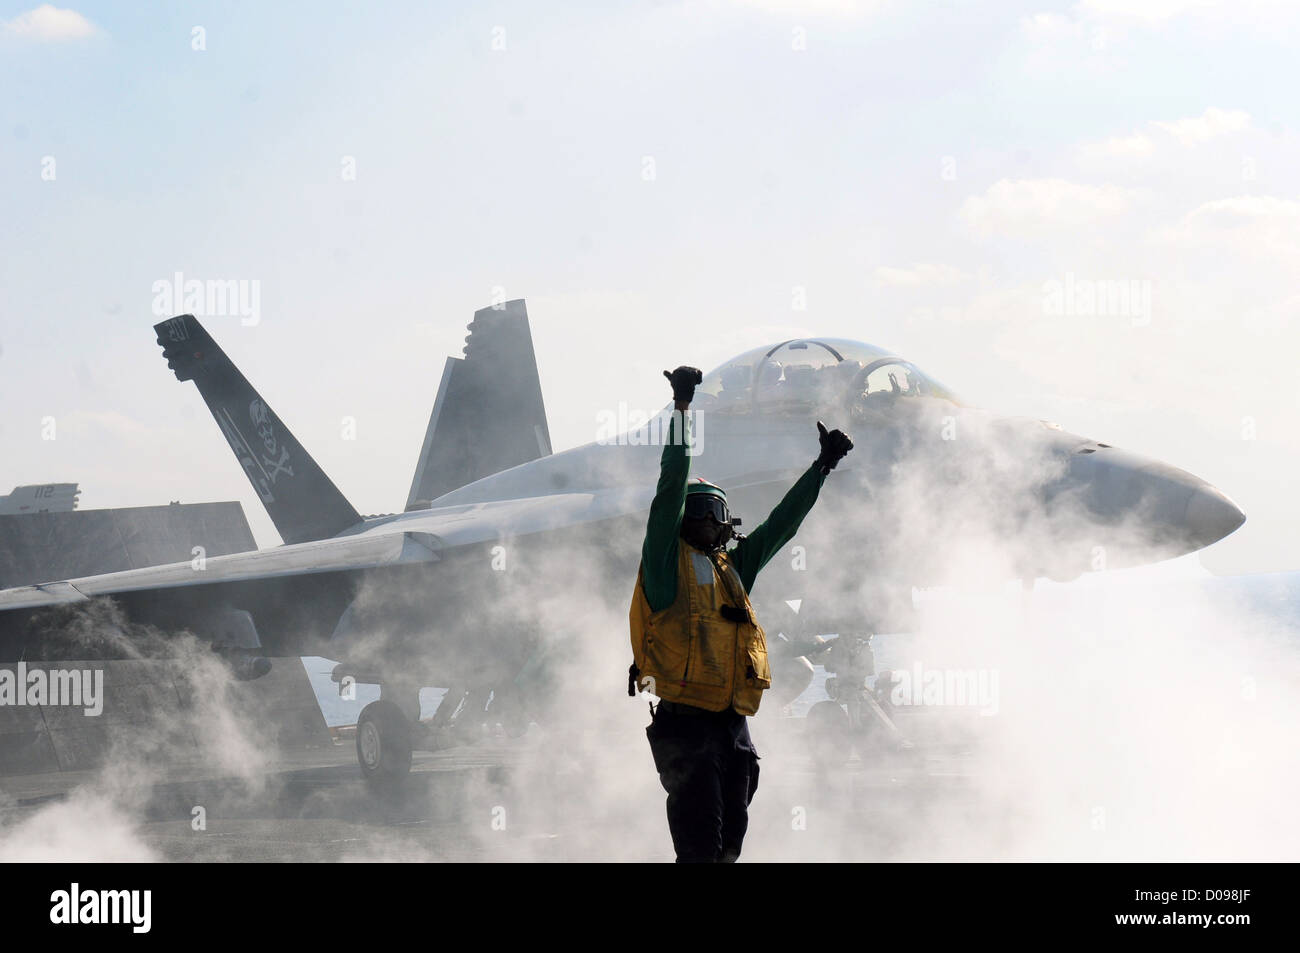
{"x":1058,"y":41}
{"x":921,"y":274}
{"x":1189,"y":132}
{"x":1260,"y":231}
{"x":1245,"y":210}
{"x":48,"y":23}
{"x":1032,"y":205}
{"x":1235,"y":257}
{"x":1213,"y":122}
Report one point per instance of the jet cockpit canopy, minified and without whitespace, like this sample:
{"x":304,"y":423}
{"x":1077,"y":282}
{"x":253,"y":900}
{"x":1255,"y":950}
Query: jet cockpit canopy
{"x":810,"y":375}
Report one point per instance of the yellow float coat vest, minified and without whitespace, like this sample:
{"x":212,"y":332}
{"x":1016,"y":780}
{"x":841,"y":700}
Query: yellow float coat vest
{"x":694,"y":654}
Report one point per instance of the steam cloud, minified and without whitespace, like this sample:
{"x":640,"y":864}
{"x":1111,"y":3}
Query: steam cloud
{"x":1139,"y":717}
{"x":100,"y":817}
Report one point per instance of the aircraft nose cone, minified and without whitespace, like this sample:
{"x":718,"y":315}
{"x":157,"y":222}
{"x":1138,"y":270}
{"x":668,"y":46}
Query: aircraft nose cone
{"x":1154,"y":510}
{"x":1211,"y":515}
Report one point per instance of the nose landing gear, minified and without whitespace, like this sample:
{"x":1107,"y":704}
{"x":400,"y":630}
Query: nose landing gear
{"x":383,"y":744}
{"x":853,"y":718}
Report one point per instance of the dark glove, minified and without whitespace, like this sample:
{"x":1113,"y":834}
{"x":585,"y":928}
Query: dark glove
{"x":684,"y":380}
{"x":834,"y":446}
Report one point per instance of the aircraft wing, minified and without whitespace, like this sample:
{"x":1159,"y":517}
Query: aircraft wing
{"x":410,"y":538}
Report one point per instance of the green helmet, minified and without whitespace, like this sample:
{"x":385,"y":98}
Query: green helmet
{"x":701,"y":485}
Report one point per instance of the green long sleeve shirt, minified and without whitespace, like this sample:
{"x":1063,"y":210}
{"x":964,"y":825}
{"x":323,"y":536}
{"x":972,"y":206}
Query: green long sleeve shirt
{"x":751,"y":554}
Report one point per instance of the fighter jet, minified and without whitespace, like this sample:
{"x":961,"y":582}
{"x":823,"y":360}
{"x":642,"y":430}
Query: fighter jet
{"x":503,"y":544}
{"x":40,"y":498}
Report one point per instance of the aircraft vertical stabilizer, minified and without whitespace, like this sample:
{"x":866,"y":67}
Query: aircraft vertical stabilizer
{"x":301,"y":500}
{"x":488,"y":415}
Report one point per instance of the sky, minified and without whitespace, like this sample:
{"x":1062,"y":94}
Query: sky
{"x":664,"y":183}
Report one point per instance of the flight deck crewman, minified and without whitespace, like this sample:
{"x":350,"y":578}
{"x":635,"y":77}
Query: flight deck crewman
{"x":696,"y":642}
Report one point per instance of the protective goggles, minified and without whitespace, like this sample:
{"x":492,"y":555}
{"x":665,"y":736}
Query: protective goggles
{"x":702,"y":505}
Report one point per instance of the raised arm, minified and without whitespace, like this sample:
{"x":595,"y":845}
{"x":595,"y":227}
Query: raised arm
{"x":757,"y":549}
{"x":659,"y":551}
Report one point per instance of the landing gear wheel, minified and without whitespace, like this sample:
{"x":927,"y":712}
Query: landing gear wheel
{"x":383,"y":744}
{"x":829,"y":734}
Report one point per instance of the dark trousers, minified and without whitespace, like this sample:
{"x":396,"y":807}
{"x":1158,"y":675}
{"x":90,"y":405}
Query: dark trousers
{"x":709,"y":768}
